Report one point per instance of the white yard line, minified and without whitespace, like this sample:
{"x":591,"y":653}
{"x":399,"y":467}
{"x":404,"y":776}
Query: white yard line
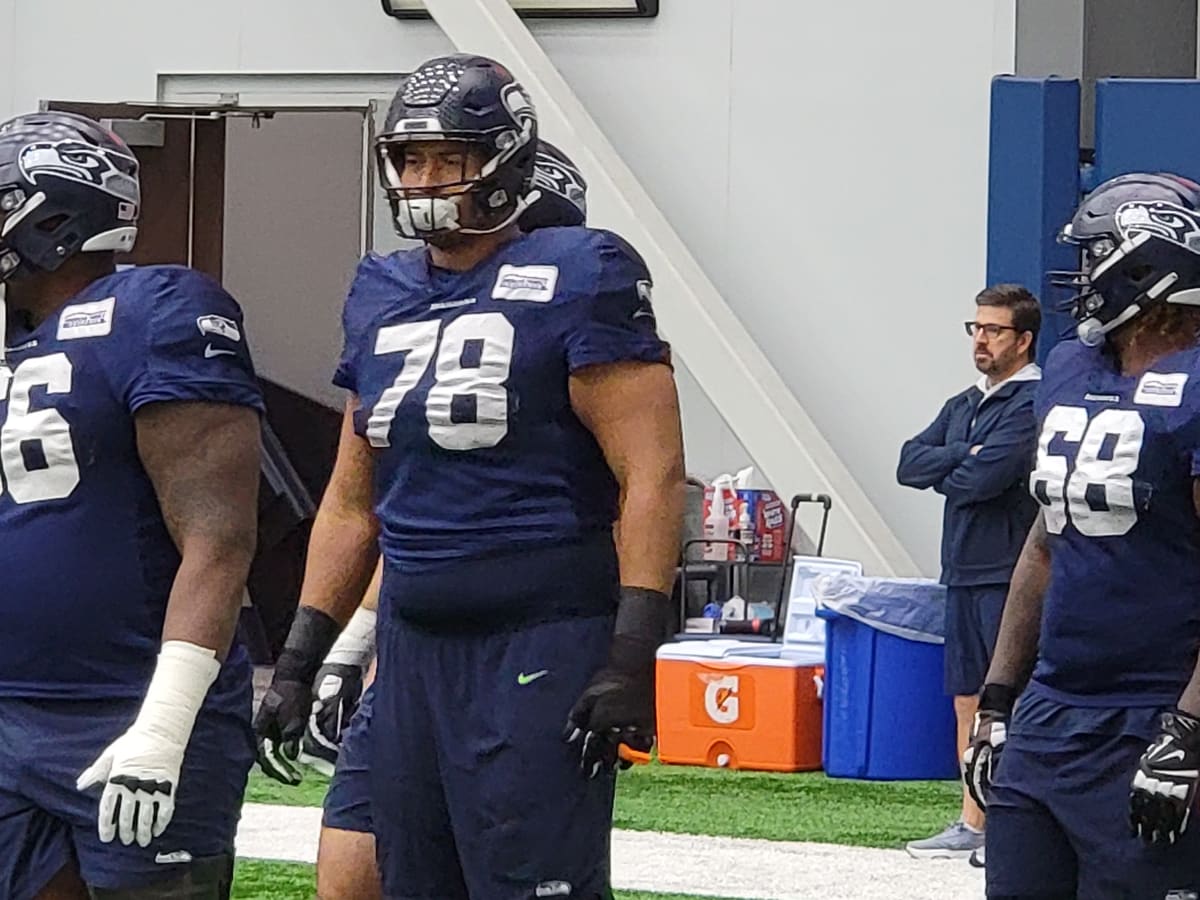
{"x":679,"y":863}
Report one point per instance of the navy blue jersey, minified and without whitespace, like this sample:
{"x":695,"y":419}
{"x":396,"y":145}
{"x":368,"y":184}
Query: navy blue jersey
{"x":1116,"y":460}
{"x":463,"y":384}
{"x":87,"y":560}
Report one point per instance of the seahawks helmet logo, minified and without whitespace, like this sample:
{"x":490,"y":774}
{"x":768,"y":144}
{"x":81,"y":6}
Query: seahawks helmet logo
{"x":1165,"y":220}
{"x":551,"y":175}
{"x":520,"y":107}
{"x":113,"y":173}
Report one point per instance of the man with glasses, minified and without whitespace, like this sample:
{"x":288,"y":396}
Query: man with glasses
{"x":978,"y":453}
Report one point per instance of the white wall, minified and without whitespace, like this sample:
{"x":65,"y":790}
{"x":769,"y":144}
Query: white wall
{"x":8,"y":17}
{"x":827,"y":165}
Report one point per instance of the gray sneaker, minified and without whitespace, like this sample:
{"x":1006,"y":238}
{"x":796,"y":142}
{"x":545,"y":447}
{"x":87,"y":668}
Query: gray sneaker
{"x":956,"y":842}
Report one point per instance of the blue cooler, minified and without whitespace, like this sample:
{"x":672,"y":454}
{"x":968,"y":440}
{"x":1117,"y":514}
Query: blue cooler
{"x":885,"y":715}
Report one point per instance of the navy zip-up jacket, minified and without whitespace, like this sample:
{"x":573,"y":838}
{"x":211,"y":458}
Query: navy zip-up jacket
{"x":989,"y":510}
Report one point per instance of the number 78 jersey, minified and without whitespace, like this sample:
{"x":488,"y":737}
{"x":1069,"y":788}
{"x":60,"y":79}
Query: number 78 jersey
{"x":1116,"y":459}
{"x":463,"y":383}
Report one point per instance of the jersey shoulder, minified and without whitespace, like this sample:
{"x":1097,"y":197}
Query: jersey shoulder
{"x":1068,"y":373}
{"x":386,"y":278}
{"x":566,"y":264}
{"x":136,"y":304}
{"x":166,"y":294}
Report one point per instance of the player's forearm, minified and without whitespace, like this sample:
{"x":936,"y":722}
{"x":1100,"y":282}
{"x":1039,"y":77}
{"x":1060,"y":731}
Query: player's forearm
{"x":342,"y":552}
{"x":206,"y":597}
{"x":649,"y":531}
{"x":1017,"y":643}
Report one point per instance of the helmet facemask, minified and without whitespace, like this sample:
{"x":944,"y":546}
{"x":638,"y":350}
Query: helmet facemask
{"x":475,"y":194}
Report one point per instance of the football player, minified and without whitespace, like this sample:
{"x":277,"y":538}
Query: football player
{"x":561,"y":202}
{"x":1104,"y":609}
{"x":335,"y":740}
{"x":510,"y":398}
{"x":129,"y":467}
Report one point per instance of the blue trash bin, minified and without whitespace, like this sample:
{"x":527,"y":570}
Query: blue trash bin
{"x":885,"y":714}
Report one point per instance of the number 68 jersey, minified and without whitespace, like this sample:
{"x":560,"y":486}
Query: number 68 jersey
{"x":462,"y":380}
{"x":86,"y":557}
{"x":1116,"y":459}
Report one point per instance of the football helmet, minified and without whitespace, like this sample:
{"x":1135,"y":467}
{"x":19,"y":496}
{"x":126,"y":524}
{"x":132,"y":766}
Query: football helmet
{"x":562,"y":199}
{"x":465,"y":98}
{"x":67,"y":185}
{"x":1139,"y":236}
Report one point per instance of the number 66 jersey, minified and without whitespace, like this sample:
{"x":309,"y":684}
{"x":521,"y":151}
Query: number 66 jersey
{"x":463,"y":381}
{"x":87,"y":560}
{"x":1116,"y":459}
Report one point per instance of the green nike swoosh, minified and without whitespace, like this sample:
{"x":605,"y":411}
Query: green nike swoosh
{"x":524,"y":679}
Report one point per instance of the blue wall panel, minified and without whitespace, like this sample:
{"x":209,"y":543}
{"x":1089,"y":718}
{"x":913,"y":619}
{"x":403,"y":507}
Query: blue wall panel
{"x":1033,"y":188}
{"x":1147,"y":125}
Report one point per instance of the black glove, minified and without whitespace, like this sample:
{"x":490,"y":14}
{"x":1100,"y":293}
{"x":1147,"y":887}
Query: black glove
{"x":285,"y":708}
{"x":617,"y":707}
{"x":988,"y":735}
{"x":1164,"y":786}
{"x":339,"y":689}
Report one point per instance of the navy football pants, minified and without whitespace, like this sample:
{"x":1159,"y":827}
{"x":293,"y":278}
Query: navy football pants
{"x":474,"y":792}
{"x":1058,"y":814}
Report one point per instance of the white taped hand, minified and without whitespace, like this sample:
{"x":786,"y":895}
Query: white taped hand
{"x":140,"y":770}
{"x":140,"y":774}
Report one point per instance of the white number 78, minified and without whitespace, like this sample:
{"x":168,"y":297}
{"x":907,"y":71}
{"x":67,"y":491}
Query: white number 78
{"x":484,"y":382}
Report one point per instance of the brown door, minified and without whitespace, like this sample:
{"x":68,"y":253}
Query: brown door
{"x":184,"y":153}
{"x":182,"y":156}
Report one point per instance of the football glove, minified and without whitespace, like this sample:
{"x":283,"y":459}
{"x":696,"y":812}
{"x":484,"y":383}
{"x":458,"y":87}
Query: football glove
{"x":339,"y":689}
{"x":140,"y":769}
{"x":617,"y":706}
{"x":988,"y":734}
{"x":1164,"y":786}
{"x":283,"y":713}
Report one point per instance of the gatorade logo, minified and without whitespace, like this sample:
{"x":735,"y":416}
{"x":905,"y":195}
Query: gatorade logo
{"x":721,"y":700}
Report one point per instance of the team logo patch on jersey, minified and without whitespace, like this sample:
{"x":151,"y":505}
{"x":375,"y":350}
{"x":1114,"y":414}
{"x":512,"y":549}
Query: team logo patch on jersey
{"x":535,"y":283}
{"x":1161,"y":390}
{"x":220,"y":326}
{"x":85,"y":320}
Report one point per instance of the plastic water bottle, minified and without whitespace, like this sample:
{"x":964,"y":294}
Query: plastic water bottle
{"x":716,"y":525}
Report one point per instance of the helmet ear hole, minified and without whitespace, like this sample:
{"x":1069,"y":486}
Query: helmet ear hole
{"x":51,"y":224}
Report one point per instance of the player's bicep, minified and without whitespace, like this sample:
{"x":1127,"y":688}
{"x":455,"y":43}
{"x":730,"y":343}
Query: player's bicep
{"x":204,"y":461}
{"x":350,"y":484}
{"x":632,"y":409}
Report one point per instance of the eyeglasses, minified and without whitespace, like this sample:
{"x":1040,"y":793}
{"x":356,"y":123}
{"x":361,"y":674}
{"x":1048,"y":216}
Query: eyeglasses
{"x":991,"y":332}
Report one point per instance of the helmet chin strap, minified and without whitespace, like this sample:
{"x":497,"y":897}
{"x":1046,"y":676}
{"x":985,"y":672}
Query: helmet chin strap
{"x":423,"y":216}
{"x":1092,"y":332}
{"x":523,"y":203}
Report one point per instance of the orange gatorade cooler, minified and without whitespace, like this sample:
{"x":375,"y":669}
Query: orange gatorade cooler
{"x":739,"y":705}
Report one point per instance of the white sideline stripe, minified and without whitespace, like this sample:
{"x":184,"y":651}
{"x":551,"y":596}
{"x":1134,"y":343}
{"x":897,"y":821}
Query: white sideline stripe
{"x":691,"y":864}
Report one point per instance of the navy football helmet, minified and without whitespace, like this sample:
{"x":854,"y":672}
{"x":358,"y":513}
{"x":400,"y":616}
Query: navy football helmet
{"x":1139,"y":235}
{"x":467,"y":98}
{"x":67,"y":185}
{"x":562,"y":191}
